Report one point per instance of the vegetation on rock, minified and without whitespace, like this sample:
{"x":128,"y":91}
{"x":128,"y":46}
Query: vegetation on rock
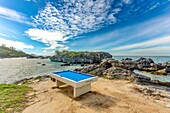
{"x":79,"y":57}
{"x":8,"y":52}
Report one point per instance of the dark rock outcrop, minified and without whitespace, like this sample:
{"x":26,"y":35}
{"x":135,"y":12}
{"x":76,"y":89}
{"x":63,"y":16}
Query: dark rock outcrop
{"x":65,"y":64}
{"x":144,"y":63}
{"x":32,"y":56}
{"x":118,"y":73}
{"x":114,"y":69}
{"x":106,"y":69}
{"x":141,"y":78}
{"x":80,"y":57}
{"x":167,"y":69}
{"x":43,"y":64}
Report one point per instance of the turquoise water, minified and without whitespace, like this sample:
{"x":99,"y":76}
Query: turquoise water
{"x":12,"y":70}
{"x":153,"y":76}
{"x":156,"y":59}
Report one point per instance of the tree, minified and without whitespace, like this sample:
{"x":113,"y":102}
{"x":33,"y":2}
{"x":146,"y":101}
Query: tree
{"x":12,"y":48}
{"x":3,"y":45}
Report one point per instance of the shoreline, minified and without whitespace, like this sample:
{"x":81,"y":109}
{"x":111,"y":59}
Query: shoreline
{"x":14,"y":58}
{"x":103,"y":90}
{"x":106,"y":96}
{"x":15,"y":69}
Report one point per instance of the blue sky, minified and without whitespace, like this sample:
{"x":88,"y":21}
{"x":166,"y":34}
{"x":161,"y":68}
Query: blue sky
{"x":120,"y":27}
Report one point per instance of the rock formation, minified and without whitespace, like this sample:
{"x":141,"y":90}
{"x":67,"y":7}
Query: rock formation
{"x":114,"y":69}
{"x":80,"y":57}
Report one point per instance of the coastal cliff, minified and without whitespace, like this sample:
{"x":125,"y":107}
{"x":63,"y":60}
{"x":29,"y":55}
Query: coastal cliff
{"x":79,"y":57}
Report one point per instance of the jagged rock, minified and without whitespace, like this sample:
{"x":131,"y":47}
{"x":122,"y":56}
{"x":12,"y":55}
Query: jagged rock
{"x":144,"y":79}
{"x":127,"y":59}
{"x":141,"y":78}
{"x":129,"y":64}
{"x":167,"y":69}
{"x":88,"y":68}
{"x":164,"y":83}
{"x":82,"y":64}
{"x":111,"y":69}
{"x":65,"y":59}
{"x":78,"y":69}
{"x":160,"y":72}
{"x":67,"y":64}
{"x":149,"y":60}
{"x":116,"y":72}
{"x":43,"y":64}
{"x":98,"y":72}
{"x":80,"y":57}
{"x":157,"y":82}
{"x":144,"y":62}
{"x":106,"y":64}
{"x":157,"y":66}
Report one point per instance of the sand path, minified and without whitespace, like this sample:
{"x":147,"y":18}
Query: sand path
{"x":107,"y":96}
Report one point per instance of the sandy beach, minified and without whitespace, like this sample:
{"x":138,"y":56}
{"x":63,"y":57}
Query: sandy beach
{"x":107,"y":96}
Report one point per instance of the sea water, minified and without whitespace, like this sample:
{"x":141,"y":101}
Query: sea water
{"x":156,"y":59}
{"x":14,"y":69}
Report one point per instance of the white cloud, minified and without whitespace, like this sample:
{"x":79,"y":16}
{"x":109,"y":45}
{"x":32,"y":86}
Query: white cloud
{"x":16,"y":44}
{"x":125,"y":36}
{"x":73,"y":44}
{"x":153,"y":42}
{"x":13,"y":15}
{"x":31,"y":1}
{"x":4,"y":35}
{"x":72,"y":18}
{"x":50,"y":38}
{"x":127,"y":1}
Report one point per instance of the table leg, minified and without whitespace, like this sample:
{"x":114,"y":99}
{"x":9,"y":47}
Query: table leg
{"x":81,"y":90}
{"x":59,"y":83}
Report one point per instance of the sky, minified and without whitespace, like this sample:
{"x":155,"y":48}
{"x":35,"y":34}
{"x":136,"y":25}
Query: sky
{"x":120,"y":27}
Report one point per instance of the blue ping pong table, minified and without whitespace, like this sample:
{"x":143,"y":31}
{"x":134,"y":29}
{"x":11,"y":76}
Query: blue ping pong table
{"x":79,"y":81}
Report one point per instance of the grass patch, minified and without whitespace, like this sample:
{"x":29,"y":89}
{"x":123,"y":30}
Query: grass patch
{"x":38,"y":78}
{"x":13,"y":97}
{"x":93,"y":73}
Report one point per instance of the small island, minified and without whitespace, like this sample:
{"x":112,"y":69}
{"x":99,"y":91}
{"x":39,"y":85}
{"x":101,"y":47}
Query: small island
{"x":82,"y":57}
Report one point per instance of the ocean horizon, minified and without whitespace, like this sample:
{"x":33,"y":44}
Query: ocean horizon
{"x":156,"y":59}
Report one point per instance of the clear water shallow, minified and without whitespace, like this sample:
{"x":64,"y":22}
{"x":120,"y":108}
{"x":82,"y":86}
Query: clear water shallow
{"x":153,"y":76}
{"x":12,"y":70}
{"x":156,"y":59}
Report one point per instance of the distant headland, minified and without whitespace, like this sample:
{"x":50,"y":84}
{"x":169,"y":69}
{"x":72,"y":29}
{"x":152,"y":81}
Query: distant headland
{"x":10,"y":52}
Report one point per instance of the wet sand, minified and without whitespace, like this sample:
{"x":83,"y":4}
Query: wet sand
{"x":107,"y":96}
